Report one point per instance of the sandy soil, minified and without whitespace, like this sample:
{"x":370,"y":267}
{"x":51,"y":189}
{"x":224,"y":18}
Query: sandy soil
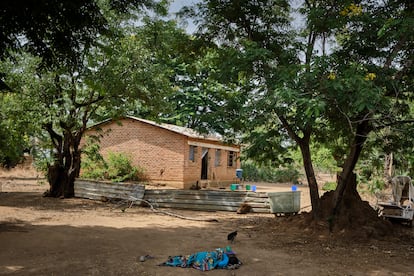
{"x":47,"y":236}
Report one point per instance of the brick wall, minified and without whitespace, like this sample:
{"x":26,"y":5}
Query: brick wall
{"x":192,"y":168}
{"x":163,"y":154}
{"x":158,"y":151}
{"x":218,"y":173}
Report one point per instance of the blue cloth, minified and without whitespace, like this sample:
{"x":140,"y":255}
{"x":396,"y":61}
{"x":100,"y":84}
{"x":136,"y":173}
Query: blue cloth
{"x":201,"y":260}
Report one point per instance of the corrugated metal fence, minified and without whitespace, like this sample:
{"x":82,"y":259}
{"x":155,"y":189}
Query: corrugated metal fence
{"x":99,"y":190}
{"x":206,"y":200}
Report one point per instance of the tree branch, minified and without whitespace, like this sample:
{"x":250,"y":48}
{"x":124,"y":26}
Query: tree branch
{"x":394,"y":52}
{"x":289,"y":129}
{"x":56,"y":138}
{"x":90,"y":102}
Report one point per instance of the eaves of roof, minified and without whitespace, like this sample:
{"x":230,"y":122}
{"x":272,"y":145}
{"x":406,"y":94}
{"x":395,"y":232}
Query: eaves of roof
{"x":178,"y":129}
{"x":191,"y":133}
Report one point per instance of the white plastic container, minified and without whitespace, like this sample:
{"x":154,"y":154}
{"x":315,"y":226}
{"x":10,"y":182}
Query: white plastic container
{"x":284,"y":202}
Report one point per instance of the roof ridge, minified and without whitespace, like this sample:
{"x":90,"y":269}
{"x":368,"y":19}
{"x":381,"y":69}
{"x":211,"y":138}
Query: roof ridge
{"x":178,"y":129}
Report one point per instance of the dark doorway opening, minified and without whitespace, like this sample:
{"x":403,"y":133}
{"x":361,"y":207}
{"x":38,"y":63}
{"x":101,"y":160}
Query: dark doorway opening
{"x":204,"y":164}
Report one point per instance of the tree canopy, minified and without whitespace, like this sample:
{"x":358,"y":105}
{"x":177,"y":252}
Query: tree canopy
{"x":58,"y":31}
{"x":105,"y":72}
{"x":337,"y":77}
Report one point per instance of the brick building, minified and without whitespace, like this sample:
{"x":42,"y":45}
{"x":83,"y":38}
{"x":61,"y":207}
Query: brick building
{"x":169,"y":154}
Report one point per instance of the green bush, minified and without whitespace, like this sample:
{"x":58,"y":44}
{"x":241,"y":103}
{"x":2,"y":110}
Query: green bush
{"x":120,"y":168}
{"x":374,"y":185}
{"x":329,"y":186}
{"x":253,"y":172}
{"x":117,"y":168}
{"x":93,"y":164}
{"x":323,"y":160}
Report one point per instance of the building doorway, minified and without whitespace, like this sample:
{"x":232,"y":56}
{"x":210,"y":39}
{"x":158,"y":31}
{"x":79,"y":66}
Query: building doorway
{"x":204,"y":164}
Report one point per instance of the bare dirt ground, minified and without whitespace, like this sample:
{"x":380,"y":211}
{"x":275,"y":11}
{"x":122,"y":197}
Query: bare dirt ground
{"x":47,"y":236}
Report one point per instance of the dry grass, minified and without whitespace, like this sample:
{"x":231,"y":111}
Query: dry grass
{"x":21,"y":172}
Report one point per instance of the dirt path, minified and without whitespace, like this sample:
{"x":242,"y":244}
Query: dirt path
{"x":46,"y":236}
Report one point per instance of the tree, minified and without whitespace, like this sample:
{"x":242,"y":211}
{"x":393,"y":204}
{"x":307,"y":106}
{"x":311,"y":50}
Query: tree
{"x":107,"y":79}
{"x":54,"y":30}
{"x":201,"y":100}
{"x":336,"y":95}
{"x":198,"y":100}
{"x":259,"y":32}
{"x":376,"y":57}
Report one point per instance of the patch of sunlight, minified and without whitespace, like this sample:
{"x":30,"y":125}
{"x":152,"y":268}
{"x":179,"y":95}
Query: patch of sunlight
{"x":11,"y":268}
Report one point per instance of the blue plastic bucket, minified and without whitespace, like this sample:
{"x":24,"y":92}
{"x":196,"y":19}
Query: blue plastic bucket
{"x":239,"y":173}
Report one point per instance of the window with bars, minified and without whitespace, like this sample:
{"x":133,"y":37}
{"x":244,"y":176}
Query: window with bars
{"x":192,"y":153}
{"x":217,"y":162}
{"x":231,"y":157}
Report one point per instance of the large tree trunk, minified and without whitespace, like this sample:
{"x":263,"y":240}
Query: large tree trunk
{"x":304,"y":145}
{"x":311,"y":178}
{"x":62,"y":177}
{"x":66,"y":167}
{"x":55,"y":173}
{"x":347,"y":179}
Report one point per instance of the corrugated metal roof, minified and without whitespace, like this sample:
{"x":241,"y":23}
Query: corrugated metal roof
{"x":180,"y":130}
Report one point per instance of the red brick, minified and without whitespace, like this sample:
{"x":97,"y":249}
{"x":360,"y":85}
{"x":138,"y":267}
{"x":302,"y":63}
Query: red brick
{"x":163,"y":153}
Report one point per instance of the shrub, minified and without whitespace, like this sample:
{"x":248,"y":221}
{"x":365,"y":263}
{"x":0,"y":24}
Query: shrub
{"x":93,"y":164}
{"x":253,"y":172}
{"x":329,"y":186}
{"x":120,"y":168}
{"x":117,"y":168}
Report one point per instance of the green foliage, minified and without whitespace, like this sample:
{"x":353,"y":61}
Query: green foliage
{"x":203,"y":98}
{"x":329,"y":186}
{"x":322,"y":158}
{"x":12,"y":145}
{"x":93,"y":165}
{"x":15,"y":130}
{"x":54,"y":30}
{"x":113,"y":77}
{"x":134,"y":70}
{"x":59,"y":31}
{"x":308,"y":94}
{"x":253,"y":172}
{"x":117,"y":167}
{"x":120,"y":168}
{"x":250,"y":71}
{"x":41,"y":164}
{"x":375,"y":185}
